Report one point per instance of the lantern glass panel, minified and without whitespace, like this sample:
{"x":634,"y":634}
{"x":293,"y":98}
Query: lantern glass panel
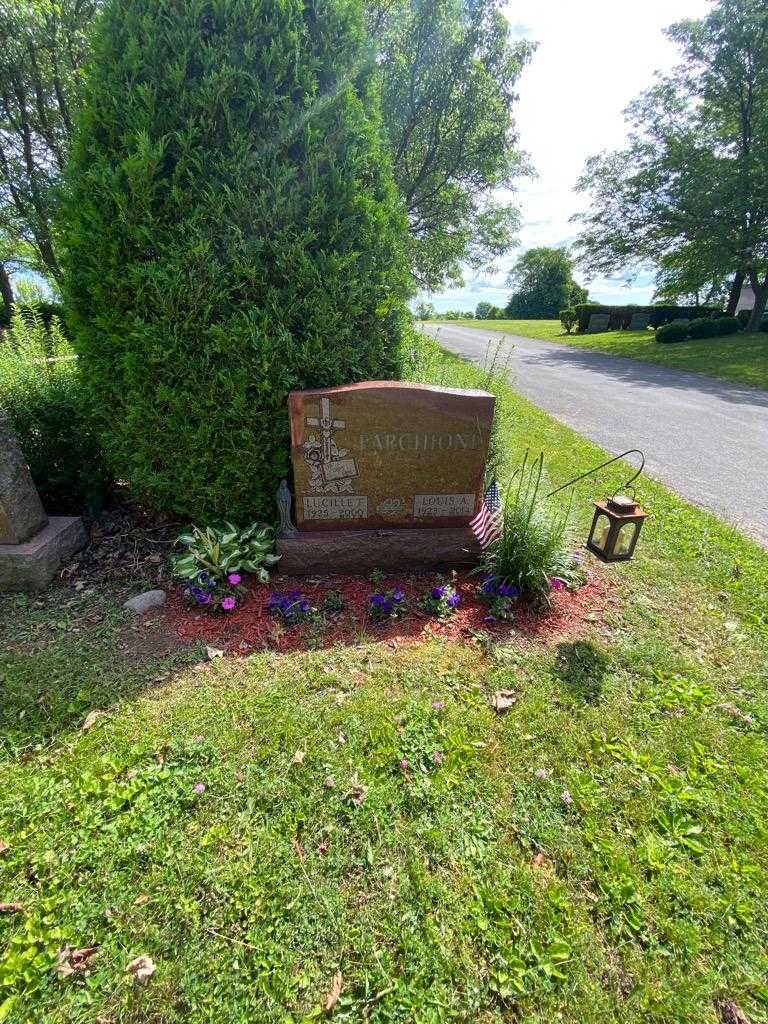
{"x":601,"y":531}
{"x":625,"y":537}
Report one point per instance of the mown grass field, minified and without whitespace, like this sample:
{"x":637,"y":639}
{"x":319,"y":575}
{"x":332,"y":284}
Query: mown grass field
{"x":738,"y":357}
{"x":469,"y":890}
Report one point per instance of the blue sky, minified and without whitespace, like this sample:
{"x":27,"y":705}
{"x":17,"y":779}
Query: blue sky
{"x":594,"y":56}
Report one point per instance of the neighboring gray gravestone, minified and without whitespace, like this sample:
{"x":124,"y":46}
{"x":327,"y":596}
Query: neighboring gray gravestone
{"x":639,"y":321}
{"x":32,"y":546}
{"x":598,"y":323}
{"x":21,"y":511}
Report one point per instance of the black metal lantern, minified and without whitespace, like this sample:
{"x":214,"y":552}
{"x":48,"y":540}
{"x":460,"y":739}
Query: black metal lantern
{"x":615,"y":528}
{"x":617,"y":521}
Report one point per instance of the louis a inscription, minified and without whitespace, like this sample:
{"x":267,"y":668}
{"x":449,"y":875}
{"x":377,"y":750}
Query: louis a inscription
{"x":386,"y":453}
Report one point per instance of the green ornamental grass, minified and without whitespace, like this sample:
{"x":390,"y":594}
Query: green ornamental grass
{"x":533,"y":551}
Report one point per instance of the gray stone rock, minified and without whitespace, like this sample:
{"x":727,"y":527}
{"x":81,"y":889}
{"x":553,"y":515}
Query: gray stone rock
{"x":33,"y":564}
{"x":143,"y":602}
{"x":21,"y":512}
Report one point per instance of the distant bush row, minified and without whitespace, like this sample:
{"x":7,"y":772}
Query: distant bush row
{"x":716,"y":327}
{"x":620,"y":316}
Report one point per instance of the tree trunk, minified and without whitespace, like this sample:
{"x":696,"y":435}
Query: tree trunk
{"x":735,"y":294}
{"x":761,"y":299}
{"x":6,"y":291}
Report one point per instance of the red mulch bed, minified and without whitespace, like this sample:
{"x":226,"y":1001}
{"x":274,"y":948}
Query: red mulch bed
{"x":252,"y":628}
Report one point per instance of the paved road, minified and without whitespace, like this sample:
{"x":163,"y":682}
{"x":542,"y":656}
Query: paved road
{"x":706,"y":439}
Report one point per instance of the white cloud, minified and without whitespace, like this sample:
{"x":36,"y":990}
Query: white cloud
{"x":593,"y":58}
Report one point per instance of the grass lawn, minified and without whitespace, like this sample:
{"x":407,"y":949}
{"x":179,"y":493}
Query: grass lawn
{"x":467,"y":890}
{"x":737,"y":357}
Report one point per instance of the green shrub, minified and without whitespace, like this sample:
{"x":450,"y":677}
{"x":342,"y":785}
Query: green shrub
{"x":46,"y":311}
{"x":41,"y":389}
{"x":714,"y":328}
{"x":568,"y":318}
{"x":533,"y":552}
{"x":232,"y":232}
{"x":672,"y":332}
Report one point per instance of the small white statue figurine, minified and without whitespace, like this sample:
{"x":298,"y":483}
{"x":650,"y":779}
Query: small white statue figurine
{"x":287,"y":529}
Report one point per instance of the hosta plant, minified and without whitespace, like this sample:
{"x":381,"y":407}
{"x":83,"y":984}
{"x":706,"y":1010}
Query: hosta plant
{"x":213,"y":560}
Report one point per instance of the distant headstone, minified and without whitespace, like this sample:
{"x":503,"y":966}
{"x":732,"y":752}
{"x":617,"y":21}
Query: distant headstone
{"x":401,"y":461}
{"x":32,"y":546}
{"x":598,"y":323}
{"x":21,"y":511}
{"x":639,"y":321}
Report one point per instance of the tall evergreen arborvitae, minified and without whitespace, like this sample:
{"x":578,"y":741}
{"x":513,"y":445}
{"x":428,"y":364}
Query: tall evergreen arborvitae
{"x":232,"y":231}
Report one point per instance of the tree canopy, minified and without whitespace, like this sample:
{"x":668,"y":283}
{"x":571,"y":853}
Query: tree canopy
{"x":449,"y":76}
{"x":448,"y":71}
{"x":544,"y":284}
{"x":689,"y":194}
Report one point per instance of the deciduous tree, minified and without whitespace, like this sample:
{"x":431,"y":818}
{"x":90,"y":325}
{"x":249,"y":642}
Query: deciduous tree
{"x":689,"y":194}
{"x":544,"y":284}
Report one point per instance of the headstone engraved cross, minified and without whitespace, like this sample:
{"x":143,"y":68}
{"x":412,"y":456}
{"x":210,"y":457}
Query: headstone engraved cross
{"x":386,"y":474}
{"x":32,"y":546}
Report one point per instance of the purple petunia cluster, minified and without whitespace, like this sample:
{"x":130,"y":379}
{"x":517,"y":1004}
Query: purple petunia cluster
{"x":500,"y":596}
{"x":292,"y":608}
{"x":442,"y":601}
{"x":383,"y":607}
{"x":213,"y":594}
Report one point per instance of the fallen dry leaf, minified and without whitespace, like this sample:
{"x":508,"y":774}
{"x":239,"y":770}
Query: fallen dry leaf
{"x":142,"y":968}
{"x":730,"y":1013}
{"x":11,"y":908}
{"x":91,"y":719}
{"x":298,"y":757}
{"x":141,"y":900}
{"x":4,"y":847}
{"x":74,"y":961}
{"x":333,"y":995}
{"x":538,"y":860}
{"x":503,"y":700}
{"x":213,"y":652}
{"x":298,"y":848}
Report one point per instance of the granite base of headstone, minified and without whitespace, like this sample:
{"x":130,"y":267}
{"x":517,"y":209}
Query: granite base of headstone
{"x":32,"y":547}
{"x":387,"y":475}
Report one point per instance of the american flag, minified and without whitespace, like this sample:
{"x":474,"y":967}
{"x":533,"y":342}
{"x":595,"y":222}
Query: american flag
{"x":486,"y":525}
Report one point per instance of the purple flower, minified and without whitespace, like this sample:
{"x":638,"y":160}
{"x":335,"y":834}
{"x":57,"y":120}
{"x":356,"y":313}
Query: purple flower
{"x":234,"y":579}
{"x":490,"y":618}
{"x":202,"y":598}
{"x":565,"y":798}
{"x":437,"y":757}
{"x":438,"y":592}
{"x":398,"y":595}
{"x":438,"y":705}
{"x":405,"y":764}
{"x":556,"y":584}
{"x":541,"y":773}
{"x":377,"y":599}
{"x":453,"y":601}
{"x":489,"y":587}
{"x":508,"y":590}
{"x":199,"y":739}
{"x":228,"y":604}
{"x":199,"y":788}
